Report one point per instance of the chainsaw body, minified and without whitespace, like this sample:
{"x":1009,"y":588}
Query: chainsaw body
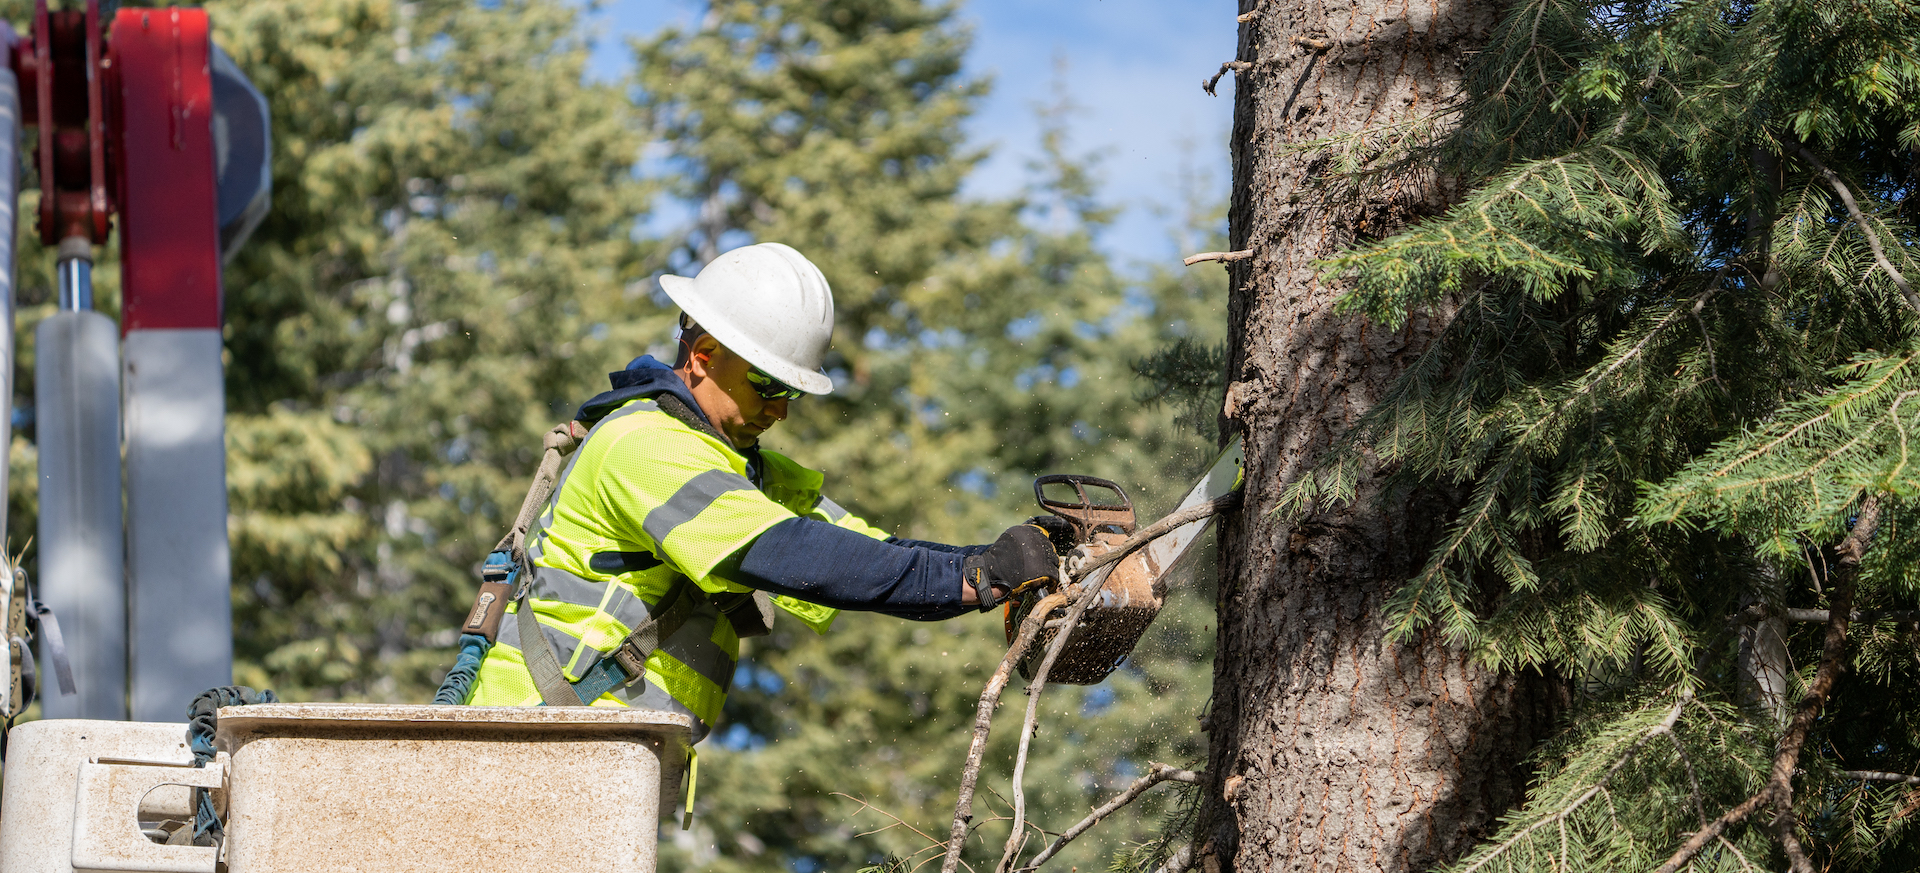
{"x":1090,"y":516}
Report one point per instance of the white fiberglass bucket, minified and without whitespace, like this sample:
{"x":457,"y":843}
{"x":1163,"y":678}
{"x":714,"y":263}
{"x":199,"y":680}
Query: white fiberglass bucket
{"x":350,"y":787}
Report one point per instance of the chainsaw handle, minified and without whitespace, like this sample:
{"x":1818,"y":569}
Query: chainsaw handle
{"x":1086,"y":515}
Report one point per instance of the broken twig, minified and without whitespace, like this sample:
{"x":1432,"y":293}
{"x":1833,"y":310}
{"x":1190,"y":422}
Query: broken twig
{"x":1156,"y":774}
{"x":1204,"y":257}
{"x":1236,"y":66}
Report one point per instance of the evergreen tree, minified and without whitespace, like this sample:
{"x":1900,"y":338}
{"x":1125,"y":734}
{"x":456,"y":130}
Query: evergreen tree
{"x":1329,"y":747}
{"x":1675,"y":393}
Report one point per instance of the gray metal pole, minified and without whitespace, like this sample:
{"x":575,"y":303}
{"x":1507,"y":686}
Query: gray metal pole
{"x":80,"y":540}
{"x":178,"y":559}
{"x":9,"y":209}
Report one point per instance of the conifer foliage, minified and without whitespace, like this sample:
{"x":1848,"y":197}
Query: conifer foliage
{"x":1678,"y":403}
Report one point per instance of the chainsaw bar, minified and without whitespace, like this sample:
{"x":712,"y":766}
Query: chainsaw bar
{"x":1132,"y":591}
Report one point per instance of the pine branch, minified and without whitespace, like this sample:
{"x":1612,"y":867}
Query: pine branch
{"x":1559,"y":816}
{"x":1156,"y":774}
{"x":1860,"y":219}
{"x":1779,"y":787}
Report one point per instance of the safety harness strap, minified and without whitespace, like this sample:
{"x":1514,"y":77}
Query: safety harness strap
{"x":627,"y":663}
{"x":548,"y":678}
{"x":559,"y":443}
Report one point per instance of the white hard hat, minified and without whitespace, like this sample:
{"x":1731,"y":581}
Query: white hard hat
{"x":768,"y":304}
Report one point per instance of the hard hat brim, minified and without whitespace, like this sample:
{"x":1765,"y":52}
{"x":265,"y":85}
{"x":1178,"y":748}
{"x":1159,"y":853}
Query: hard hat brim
{"x":677,"y":289}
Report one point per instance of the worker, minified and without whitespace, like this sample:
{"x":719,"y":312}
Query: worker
{"x":671,"y":487}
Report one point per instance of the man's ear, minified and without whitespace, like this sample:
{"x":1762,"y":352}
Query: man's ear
{"x":701,"y":358}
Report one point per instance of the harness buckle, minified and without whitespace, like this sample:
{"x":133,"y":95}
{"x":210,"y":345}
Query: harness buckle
{"x":632,"y":659}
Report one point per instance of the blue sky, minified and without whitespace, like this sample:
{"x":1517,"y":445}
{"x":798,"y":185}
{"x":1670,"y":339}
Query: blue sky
{"x":1132,"y":66}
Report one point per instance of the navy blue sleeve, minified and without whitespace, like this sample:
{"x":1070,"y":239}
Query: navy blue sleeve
{"x":940,"y":547}
{"x":820,"y":563}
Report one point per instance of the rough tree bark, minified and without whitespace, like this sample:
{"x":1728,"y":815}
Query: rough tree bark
{"x":1331,"y":748}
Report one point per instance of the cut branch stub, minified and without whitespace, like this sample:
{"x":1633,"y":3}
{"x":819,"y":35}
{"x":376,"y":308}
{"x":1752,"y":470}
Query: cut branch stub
{"x":1204,"y":257}
{"x":1236,"y":66}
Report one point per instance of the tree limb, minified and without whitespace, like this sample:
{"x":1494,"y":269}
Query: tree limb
{"x":1761,"y":612}
{"x":1860,"y":219}
{"x":983,"y":723}
{"x":1204,"y":257}
{"x":1082,"y":599}
{"x":1177,"y":862}
{"x":1712,"y":832}
{"x":1833,"y":650}
{"x":1156,"y":530}
{"x":1156,"y":774}
{"x":1878,"y":776}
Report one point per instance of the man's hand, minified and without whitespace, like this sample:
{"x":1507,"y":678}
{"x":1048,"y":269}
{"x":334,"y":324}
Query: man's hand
{"x":1020,"y":559}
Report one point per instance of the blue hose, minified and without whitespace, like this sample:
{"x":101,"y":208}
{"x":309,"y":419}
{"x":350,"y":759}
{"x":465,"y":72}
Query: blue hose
{"x":202,"y":721}
{"x":458,"y":686}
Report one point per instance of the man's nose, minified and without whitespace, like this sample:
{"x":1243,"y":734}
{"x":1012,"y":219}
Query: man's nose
{"x":777,"y":408}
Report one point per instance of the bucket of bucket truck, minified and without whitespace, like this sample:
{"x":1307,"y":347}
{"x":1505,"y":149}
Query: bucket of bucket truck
{"x":305,"y":786}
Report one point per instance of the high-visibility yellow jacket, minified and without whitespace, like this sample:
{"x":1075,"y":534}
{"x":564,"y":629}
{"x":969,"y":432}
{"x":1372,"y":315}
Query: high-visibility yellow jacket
{"x":645,"y":500}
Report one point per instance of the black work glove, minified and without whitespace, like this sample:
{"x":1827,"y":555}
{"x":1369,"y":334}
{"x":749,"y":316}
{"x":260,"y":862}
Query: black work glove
{"x":1020,"y":559}
{"x":1059,"y":530}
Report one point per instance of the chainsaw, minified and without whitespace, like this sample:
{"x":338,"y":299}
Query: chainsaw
{"x":1087,"y":516}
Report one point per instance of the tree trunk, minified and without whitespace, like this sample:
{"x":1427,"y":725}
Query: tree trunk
{"x":1333,"y":749}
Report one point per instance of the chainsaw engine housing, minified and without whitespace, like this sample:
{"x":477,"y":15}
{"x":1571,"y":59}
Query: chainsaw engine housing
{"x":1130,"y":595}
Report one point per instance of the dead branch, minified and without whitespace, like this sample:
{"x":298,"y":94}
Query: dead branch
{"x":983,"y":723}
{"x":1156,"y":774}
{"x":1236,"y":66}
{"x":1833,"y":650}
{"x":1164,"y":526}
{"x":1082,"y":599}
{"x":1761,"y":612}
{"x":1311,"y":44}
{"x":1204,"y":257}
{"x":1866,"y":228}
{"x":1878,"y":776}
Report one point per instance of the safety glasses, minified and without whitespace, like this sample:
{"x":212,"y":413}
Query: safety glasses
{"x":770,"y":388}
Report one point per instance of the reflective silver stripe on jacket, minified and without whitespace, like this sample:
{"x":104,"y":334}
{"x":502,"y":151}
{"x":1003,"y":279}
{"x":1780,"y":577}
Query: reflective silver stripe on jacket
{"x":830,"y":509}
{"x":692,"y":498}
